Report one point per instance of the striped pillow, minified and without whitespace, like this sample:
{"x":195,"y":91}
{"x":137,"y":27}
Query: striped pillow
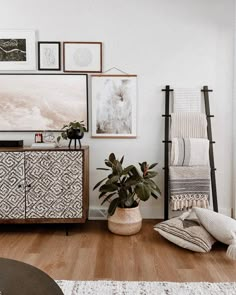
{"x":188,"y":234}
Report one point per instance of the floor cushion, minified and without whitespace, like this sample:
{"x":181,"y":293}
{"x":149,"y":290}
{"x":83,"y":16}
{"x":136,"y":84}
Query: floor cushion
{"x":186,"y":232}
{"x":220,"y":226}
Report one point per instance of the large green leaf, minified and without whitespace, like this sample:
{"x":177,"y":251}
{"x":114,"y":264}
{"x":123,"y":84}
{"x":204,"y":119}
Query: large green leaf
{"x":113,"y":179}
{"x":108,"y":188}
{"x":133,"y":180}
{"x":150,"y":174}
{"x":113,"y":205}
{"x":108,"y":163}
{"x":134,"y":171}
{"x":154,"y":193}
{"x":123,"y":194}
{"x":101,"y":195}
{"x":100,"y":182}
{"x":152,"y":165}
{"x":117,"y":168}
{"x":130,"y":201}
{"x":112,"y":157}
{"x":127,"y":169}
{"x":108,"y":198}
{"x":142,"y":191}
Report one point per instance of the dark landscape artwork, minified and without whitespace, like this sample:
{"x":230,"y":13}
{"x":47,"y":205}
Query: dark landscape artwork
{"x":12,"y":50}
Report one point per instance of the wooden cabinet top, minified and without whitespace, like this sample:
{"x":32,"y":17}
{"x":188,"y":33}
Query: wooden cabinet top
{"x":25,"y":149}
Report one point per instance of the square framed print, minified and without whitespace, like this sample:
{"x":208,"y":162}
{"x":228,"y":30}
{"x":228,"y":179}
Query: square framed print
{"x":83,"y":57}
{"x":114,"y":99}
{"x":42,"y":102}
{"x":49,"y":56}
{"x":17,"y":50}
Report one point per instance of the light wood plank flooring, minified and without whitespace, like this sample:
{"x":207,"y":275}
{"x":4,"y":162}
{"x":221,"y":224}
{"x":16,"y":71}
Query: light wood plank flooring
{"x":90,"y":252}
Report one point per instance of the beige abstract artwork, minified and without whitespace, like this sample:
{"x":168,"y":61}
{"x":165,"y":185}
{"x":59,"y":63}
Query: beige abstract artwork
{"x":41,"y":102}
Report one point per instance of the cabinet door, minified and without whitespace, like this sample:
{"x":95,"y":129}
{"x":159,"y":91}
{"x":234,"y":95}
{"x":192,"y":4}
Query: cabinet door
{"x":54,"y":184}
{"x":12,"y":190}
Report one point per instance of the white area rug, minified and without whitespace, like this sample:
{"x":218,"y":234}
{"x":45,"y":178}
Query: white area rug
{"x":145,"y":288}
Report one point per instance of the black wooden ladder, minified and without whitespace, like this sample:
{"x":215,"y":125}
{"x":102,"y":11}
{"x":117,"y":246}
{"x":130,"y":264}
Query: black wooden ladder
{"x":167,"y":141}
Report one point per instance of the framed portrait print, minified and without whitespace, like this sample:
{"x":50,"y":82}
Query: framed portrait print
{"x":49,"y":56}
{"x":42,"y":102}
{"x":83,"y":57}
{"x":17,"y":50}
{"x":114,"y":106}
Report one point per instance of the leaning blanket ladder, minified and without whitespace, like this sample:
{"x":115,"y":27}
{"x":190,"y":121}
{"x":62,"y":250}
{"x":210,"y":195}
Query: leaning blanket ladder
{"x":167,"y":141}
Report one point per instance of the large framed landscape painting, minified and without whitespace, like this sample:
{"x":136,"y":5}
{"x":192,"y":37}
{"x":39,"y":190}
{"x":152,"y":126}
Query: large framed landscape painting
{"x":17,"y":50}
{"x":114,"y":106}
{"x":42,"y":102}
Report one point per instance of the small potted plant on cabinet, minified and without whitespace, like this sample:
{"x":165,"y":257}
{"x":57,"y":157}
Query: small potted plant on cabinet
{"x":73,"y":130}
{"x":124,"y":188}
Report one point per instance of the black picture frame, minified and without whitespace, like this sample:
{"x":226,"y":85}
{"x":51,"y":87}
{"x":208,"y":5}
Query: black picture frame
{"x":24,"y":87}
{"x":82,"y":57}
{"x":51,"y":55}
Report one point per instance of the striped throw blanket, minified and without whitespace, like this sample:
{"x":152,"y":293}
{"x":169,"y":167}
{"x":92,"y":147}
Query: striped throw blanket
{"x":190,"y":152}
{"x":188,"y":125}
{"x":189,"y":187}
{"x":187,"y":100}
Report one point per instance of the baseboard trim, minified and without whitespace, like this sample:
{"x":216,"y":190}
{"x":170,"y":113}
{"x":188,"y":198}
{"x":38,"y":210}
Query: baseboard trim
{"x":100,"y":213}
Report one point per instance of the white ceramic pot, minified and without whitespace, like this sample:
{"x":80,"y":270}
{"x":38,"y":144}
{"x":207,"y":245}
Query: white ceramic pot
{"x":125,"y":221}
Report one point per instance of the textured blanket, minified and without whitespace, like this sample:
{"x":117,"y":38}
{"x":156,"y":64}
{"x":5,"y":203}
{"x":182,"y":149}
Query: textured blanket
{"x":189,"y":187}
{"x":187,"y":100}
{"x":190,"y":152}
{"x":188,"y":125}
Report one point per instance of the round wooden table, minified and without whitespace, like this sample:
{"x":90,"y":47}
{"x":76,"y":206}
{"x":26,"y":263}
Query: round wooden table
{"x":20,"y":278}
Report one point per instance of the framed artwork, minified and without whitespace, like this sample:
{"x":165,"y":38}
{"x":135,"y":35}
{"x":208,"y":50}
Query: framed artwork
{"x":114,"y":106}
{"x":40,"y":102}
{"x":83,"y":57}
{"x":49,"y":56}
{"x":17,"y":50}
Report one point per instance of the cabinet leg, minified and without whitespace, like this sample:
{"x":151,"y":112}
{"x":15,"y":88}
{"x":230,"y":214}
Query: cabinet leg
{"x":67,"y":230}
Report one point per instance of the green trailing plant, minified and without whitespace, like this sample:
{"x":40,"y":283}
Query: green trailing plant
{"x":126,"y":187}
{"x":70,"y":126}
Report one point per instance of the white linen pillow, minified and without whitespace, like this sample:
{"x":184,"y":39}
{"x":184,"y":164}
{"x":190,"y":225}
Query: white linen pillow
{"x":221,"y":227}
{"x":188,"y":234}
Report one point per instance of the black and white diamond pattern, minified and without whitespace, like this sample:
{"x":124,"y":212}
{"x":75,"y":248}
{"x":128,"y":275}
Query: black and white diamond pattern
{"x":54,"y":184}
{"x":12,"y":190}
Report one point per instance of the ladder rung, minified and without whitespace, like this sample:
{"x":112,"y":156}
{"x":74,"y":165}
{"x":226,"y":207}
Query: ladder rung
{"x":166,"y":115}
{"x":212,"y":142}
{"x":210,"y":116}
{"x":208,"y":90}
{"x":166,"y":141}
{"x":167,"y":89}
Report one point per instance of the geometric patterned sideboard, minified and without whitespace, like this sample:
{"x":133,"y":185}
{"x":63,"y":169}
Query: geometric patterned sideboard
{"x":43,"y":186}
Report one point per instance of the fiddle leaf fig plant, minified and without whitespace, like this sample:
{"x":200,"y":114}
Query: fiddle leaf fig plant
{"x":126,"y":187}
{"x":71,"y":125}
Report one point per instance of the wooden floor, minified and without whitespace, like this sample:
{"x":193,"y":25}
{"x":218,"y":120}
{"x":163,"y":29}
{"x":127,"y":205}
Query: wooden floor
{"x":90,"y":252}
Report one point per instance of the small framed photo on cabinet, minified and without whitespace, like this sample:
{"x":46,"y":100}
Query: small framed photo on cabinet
{"x":49,"y":56}
{"x":85,"y":57}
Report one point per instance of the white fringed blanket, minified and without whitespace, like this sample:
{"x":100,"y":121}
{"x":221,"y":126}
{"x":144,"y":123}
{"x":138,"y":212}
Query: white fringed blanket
{"x":189,"y":187}
{"x":186,"y":125}
{"x":190,"y":152}
{"x":144,"y":288}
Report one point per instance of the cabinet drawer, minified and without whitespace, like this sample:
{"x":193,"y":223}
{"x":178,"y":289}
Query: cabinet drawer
{"x":12,"y":190}
{"x":54,"y":184}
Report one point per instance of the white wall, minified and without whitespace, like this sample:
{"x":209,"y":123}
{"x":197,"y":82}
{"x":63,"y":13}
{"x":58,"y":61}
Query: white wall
{"x":181,"y":43}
